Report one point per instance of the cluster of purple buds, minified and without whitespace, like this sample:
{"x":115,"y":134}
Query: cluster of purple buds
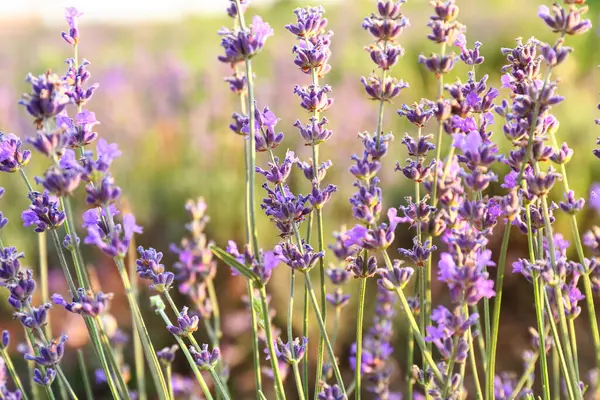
{"x":396,"y":278}
{"x":148,"y":266}
{"x":186,"y":325}
{"x":338,"y":276}
{"x":291,"y":353}
{"x":12,"y":158}
{"x":44,"y":212}
{"x":302,"y":260}
{"x":35,"y":317}
{"x":567,"y":22}
{"x":264,"y":128}
{"x":72,"y":15}
{"x":85,"y":303}
{"x":284,"y":208}
{"x":50,"y":354}
{"x":112,"y":242}
{"x":167,"y":355}
{"x":377,"y":238}
{"x":76,"y":77}
{"x":468,"y":280}
{"x":478,"y":154}
{"x":206,"y":360}
{"x":78,"y":132}
{"x":262,"y":265}
{"x":245,"y":43}
{"x":48,"y":97}
{"x":447,"y":327}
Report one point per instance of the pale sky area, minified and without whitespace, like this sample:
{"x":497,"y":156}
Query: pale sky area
{"x":118,"y":11}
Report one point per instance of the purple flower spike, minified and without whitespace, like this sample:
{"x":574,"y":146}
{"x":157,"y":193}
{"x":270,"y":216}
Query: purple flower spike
{"x":76,"y":77}
{"x":167,"y":355}
{"x":148,"y":266}
{"x":302,"y":261}
{"x":21,"y":289}
{"x":206,"y":360}
{"x":12,"y":158}
{"x":331,"y":393}
{"x":310,"y":22}
{"x":387,"y":91}
{"x":117,"y":242}
{"x":571,"y":205}
{"x":397,"y":278}
{"x":278,"y":173}
{"x":338,"y":298}
{"x":283,"y":351}
{"x":313,"y":56}
{"x":5,"y":340}
{"x":186,"y":324}
{"x":48,"y":97}
{"x":44,"y":379}
{"x":60,"y":182}
{"x":389,"y":23}
{"x":9,"y":264}
{"x":51,"y":354}
{"x":86,"y":304}
{"x":44,"y":212}
{"x":72,"y":16}
{"x":568,"y":22}
{"x":438,"y":65}
{"x":314,"y":98}
{"x":34,"y":318}
{"x":314,"y":132}
{"x":245,"y":44}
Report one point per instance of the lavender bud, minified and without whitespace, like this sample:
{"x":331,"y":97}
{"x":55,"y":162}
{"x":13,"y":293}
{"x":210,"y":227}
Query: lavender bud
{"x":314,"y":98}
{"x":5,"y":340}
{"x":12,"y":156}
{"x":566,"y":22}
{"x":571,"y":205}
{"x":310,"y":22}
{"x":186,"y":324}
{"x":397,"y":278}
{"x":439,"y":66}
{"x":51,"y":354}
{"x":48,"y":97}
{"x":204,"y":359}
{"x":244,"y":44}
{"x":314,"y":132}
{"x":167,"y":355}
{"x":44,"y":380}
{"x":338,"y":298}
{"x":390,"y":88}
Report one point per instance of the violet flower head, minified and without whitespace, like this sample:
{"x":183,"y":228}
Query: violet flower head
{"x":314,"y":132}
{"x":76,"y":77}
{"x":60,"y":182}
{"x":48,"y":97}
{"x":80,"y":132}
{"x":116,"y":242}
{"x":378,"y":238}
{"x":103,"y":193}
{"x":51,"y":354}
{"x":21,"y":289}
{"x":167,"y":354}
{"x":186,"y":325}
{"x":4,"y":340}
{"x":313,"y":55}
{"x":309,"y":22}
{"x":35,"y":317}
{"x":439,"y":65}
{"x":264,"y":129}
{"x":44,"y":212}
{"x":206,"y":360}
{"x":418,"y":114}
{"x":296,"y":259}
{"x":12,"y":158}
{"x":314,"y":98}
{"x":148,"y":266}
{"x":9,"y":264}
{"x":569,"y":22}
{"x":279,"y":172}
{"x":244,"y":44}
{"x":386,"y":91}
{"x":86,"y":303}
{"x":283,"y":351}
{"x":50,"y":143}
{"x":396,"y":278}
{"x":388,"y":23}
{"x":331,"y":393}
{"x":468,"y":56}
{"x":72,"y":16}
{"x":571,"y":205}
{"x":44,"y":379}
{"x":338,"y":298}
{"x":238,"y":83}
{"x":284,"y":208}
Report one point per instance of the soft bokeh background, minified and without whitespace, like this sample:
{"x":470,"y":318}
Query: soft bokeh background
{"x":163,"y":100}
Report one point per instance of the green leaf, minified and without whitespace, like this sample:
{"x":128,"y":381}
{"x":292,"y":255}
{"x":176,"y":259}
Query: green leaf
{"x":233,"y":263}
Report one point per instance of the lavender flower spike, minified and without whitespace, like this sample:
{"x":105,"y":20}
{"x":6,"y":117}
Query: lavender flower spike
{"x":186,"y":324}
{"x":204,"y":359}
{"x":51,"y":354}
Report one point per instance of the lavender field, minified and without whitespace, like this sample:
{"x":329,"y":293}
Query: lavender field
{"x":147,"y":194}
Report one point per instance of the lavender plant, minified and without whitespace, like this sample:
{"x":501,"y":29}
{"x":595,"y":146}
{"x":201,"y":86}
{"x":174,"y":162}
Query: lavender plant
{"x":454,"y":214}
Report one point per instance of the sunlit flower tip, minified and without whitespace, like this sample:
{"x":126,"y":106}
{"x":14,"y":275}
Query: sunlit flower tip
{"x":167,"y":355}
{"x":86,"y":304}
{"x":397,"y":278}
{"x":309,"y":22}
{"x":232,"y":8}
{"x":540,"y":183}
{"x":9,"y":263}
{"x":12,"y":158}
{"x":331,"y":393}
{"x":562,"y":155}
{"x":313,"y":56}
{"x":44,"y":379}
{"x":72,"y":16}
{"x":338,"y":298}
{"x":438,"y":65}
{"x":319,"y":197}
{"x":44,"y":212}
{"x":314,"y":98}
{"x":5,"y":340}
{"x":568,"y":22}
{"x":186,"y":324}
{"x":51,"y":354}
{"x":390,"y":88}
{"x":418,"y":114}
{"x":60,"y":182}
{"x":419,"y":254}
{"x":48,"y":97}
{"x":283,"y":351}
{"x":206,"y":360}
{"x":244,"y":44}
{"x":102,"y":193}
{"x":34,"y":318}
{"x":301,"y":260}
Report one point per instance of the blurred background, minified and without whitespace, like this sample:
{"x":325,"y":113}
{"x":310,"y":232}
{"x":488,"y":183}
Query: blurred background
{"x":163,"y":100}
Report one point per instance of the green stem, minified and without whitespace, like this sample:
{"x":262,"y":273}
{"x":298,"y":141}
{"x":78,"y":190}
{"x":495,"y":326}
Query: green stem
{"x":70,"y":228}
{"x":290,"y":333}
{"x":473,"y":360}
{"x":530,"y":369}
{"x":169,"y":379}
{"x":410,"y":351}
{"x":493,"y":340}
{"x":142,"y":331}
{"x":216,"y":313}
{"x":219,"y":384}
{"x":138,"y":351}
{"x":480,"y":339}
{"x":305,"y":315}
{"x":298,"y":380}
{"x":27,"y":183}
{"x":254,"y":330}
{"x":359,"y":334}
{"x":313,"y":299}
{"x":450,"y":366}
{"x":280,"y":392}
{"x":555,"y":374}
{"x":13,"y":373}
{"x":43,"y":259}
{"x":84,"y":376}
{"x":63,"y":263}
{"x":413,"y":324}
{"x":107,"y":357}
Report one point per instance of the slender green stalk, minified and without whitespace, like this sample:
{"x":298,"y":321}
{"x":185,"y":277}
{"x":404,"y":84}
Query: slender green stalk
{"x":70,"y":228}
{"x":169,"y":379}
{"x":108,"y":359}
{"x":493,"y":340}
{"x":84,"y":375}
{"x":254,"y":330}
{"x":290,"y":333}
{"x":35,"y":389}
{"x":414,"y":326}
{"x":450,"y":366}
{"x":138,"y":351}
{"x":280,"y":392}
{"x":219,"y":384}
{"x":359,"y":334}
{"x":480,"y":339}
{"x":13,"y":373}
{"x":142,"y":331}
{"x":555,"y":374}
{"x":305,"y":316}
{"x":410,"y":351}
{"x":64,"y":379}
{"x":188,"y":356}
{"x":313,"y":299}
{"x":473,"y":360}
{"x":526,"y":374}
{"x":43,"y":260}
{"x":27,"y":183}
{"x":63,"y":263}
{"x":216,"y":312}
